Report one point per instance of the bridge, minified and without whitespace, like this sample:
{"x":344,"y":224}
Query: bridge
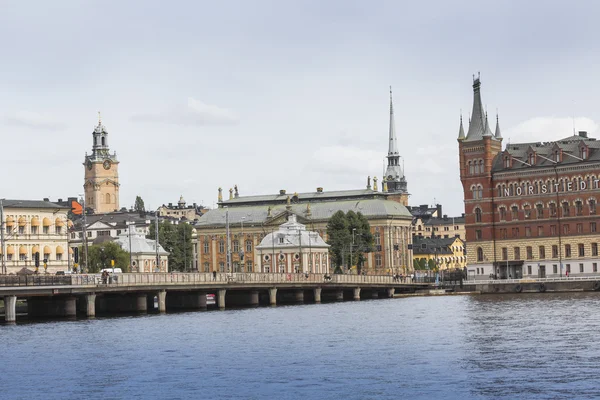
{"x":68,"y":295}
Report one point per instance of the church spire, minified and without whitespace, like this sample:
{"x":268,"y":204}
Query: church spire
{"x":393,"y":145}
{"x":394,"y":176}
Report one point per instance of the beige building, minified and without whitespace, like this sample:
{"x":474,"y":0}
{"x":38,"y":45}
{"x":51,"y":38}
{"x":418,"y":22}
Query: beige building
{"x":101,"y":183}
{"x":181,"y":210}
{"x":251,"y":218}
{"x":30,"y":227}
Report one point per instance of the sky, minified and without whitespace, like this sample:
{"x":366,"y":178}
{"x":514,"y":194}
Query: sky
{"x":281,"y":94}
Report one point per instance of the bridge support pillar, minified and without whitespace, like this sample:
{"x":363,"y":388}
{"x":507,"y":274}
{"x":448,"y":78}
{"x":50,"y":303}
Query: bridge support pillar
{"x":253,"y":298}
{"x":221,"y":298}
{"x":357,"y":293}
{"x":162,"y":303}
{"x":339,"y":295}
{"x":90,"y":305}
{"x":317,"y":292}
{"x":299,"y":296}
{"x":390,"y":292}
{"x":273,"y":296}
{"x":141,"y":303}
{"x":10,"y":309}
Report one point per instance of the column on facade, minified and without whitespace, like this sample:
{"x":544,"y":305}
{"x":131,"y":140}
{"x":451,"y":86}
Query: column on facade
{"x":214,"y":261}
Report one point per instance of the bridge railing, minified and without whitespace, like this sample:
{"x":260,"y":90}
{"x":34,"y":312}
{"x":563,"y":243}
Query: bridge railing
{"x":537,"y":280}
{"x":223,"y":277}
{"x":34,"y":280}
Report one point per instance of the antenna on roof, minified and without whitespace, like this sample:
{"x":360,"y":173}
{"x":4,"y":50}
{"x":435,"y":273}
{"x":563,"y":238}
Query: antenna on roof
{"x":573,"y":117}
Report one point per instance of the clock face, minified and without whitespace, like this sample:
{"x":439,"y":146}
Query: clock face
{"x":89,"y":164}
{"x":106,"y":164}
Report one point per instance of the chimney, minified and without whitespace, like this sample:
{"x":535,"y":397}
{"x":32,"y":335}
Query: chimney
{"x":170,"y":205}
{"x":462,"y":215}
{"x":282,"y":192}
{"x":439,"y":210}
{"x":445,"y":217}
{"x":46,"y":199}
{"x":583,"y":134}
{"x":60,"y":200}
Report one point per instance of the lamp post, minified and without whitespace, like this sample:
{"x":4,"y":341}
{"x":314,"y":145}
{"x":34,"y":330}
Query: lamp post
{"x":130,"y":249}
{"x":3,"y":242}
{"x":241,"y":245}
{"x":352,"y":247}
{"x":84,"y":267}
{"x":228,"y":266}
{"x":156,"y":244}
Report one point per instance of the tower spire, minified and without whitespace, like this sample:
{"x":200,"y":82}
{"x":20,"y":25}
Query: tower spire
{"x":478,"y":126}
{"x":99,"y":119}
{"x":393,"y":145}
{"x":498,"y":135}
{"x":461,"y":130}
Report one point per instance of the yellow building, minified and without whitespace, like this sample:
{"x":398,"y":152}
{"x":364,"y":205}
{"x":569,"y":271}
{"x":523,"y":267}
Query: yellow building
{"x":30,"y":227}
{"x":443,"y":253}
{"x":101,"y":184}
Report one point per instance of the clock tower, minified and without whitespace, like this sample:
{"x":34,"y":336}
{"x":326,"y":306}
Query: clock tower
{"x":101,"y":183}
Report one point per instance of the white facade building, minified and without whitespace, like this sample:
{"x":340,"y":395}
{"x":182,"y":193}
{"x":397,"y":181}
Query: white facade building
{"x":293,"y":249}
{"x":143,"y":252}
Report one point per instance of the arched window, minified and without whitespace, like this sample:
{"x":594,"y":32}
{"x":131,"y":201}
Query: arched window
{"x":474,"y":190}
{"x":478,"y":214}
{"x":515,"y":212}
{"x":479,"y":254}
{"x":107,"y":198}
{"x":502,"y":211}
{"x":471,"y":168}
{"x":480,"y":192}
{"x":103,"y":141}
{"x":540,"y":210}
{"x":565,"y":207}
{"x":578,"y":207}
{"x":592,"y":207}
{"x":481,"y":166}
{"x":552,"y":207}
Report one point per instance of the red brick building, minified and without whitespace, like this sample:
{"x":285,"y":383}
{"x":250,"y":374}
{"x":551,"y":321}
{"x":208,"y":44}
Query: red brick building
{"x":530,"y":208}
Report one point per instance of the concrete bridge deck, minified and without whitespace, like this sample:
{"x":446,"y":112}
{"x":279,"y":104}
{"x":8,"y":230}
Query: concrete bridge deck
{"x":64,"y":295}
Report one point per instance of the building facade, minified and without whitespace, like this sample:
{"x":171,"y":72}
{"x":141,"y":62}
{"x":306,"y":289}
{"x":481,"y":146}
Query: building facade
{"x":444,"y":253}
{"x":101,"y":179}
{"x":282,"y":251}
{"x":182,"y":211}
{"x":30,"y":227}
{"x":251,"y":218}
{"x":530,"y":208}
{"x":428,"y":221}
{"x":143,"y":252}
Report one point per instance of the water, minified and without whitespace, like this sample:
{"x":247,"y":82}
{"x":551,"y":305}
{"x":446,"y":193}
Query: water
{"x":539,"y":346}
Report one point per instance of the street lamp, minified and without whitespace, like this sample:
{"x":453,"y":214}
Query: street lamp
{"x":352,"y":247}
{"x":242,"y":243}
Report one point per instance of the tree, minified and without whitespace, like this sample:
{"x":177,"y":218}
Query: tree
{"x":101,"y":254}
{"x":349,"y":236}
{"x":139,"y":206}
{"x":177,"y":240}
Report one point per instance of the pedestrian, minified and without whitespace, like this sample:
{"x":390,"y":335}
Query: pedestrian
{"x":567,"y":273}
{"x":214,"y":275}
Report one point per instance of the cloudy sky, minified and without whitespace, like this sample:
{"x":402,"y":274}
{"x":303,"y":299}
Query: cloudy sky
{"x":280,"y":94}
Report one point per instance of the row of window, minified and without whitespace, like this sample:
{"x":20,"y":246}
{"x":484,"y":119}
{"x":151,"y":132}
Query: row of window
{"x":566,"y":230}
{"x":552,"y":210}
{"x":557,"y":157}
{"x":33,"y":230}
{"x":476,"y":167}
{"x":541,"y":255}
{"x":235,"y":244}
{"x":554,"y":268}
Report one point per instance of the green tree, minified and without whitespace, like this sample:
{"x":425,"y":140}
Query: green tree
{"x":139,"y":206}
{"x":100,"y":256}
{"x":177,"y":240}
{"x":349,"y":236}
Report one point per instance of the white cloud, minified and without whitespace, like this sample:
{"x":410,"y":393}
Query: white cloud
{"x":195,"y":113}
{"x":347,"y":160}
{"x":545,"y":129}
{"x":34,"y":120}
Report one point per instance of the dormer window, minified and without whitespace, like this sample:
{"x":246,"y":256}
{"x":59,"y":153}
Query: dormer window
{"x":557,"y":156}
{"x":507,"y":162}
{"x":532,"y":159}
{"x":584,"y":153}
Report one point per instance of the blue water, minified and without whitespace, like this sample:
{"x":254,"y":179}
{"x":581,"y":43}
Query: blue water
{"x":540,"y":346}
